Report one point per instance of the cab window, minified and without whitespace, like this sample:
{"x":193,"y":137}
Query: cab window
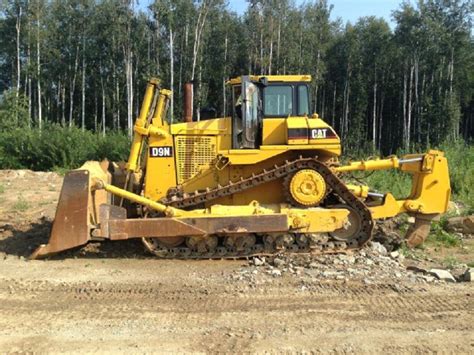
{"x":278,"y":101}
{"x":303,"y":100}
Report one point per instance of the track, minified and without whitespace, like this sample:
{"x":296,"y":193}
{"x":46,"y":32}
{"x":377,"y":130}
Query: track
{"x":265,"y":244}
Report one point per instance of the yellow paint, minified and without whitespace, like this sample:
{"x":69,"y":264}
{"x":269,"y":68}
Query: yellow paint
{"x":359,"y":190}
{"x":299,"y":124}
{"x":274,"y":131}
{"x":307,"y":187}
{"x":274,"y":78}
{"x":378,"y":164}
{"x":135,"y":149}
{"x":430,"y":191}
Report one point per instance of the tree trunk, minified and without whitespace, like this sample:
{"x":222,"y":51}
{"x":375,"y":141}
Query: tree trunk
{"x":278,"y":45}
{"x":18,"y":61}
{"x":316,"y":80}
{"x":38,"y":70}
{"x":171,"y":73}
{"x":72,"y":88}
{"x":374,"y":115}
{"x":28,"y":50}
{"x":380,"y":119}
{"x":201,"y":21}
{"x":270,"y":55}
{"x":129,"y":82}
{"x":83,"y":99}
{"x":224,"y":98}
{"x":95,"y":110}
{"x":405,"y":130}
{"x":334,"y":105}
{"x":103,"y":106}
{"x":63,"y":105}
{"x":410,"y":107}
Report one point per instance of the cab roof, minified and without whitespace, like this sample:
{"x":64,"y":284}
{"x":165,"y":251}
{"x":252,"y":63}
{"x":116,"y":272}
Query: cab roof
{"x":273,"y":78}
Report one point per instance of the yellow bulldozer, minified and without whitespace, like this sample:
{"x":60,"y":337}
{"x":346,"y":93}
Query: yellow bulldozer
{"x":265,"y":180}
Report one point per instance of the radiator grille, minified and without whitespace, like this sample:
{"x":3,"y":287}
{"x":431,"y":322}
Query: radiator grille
{"x":193,"y":154}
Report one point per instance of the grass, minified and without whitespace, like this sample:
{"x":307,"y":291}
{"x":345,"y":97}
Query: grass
{"x":2,"y":189}
{"x":21,"y":204}
{"x":60,"y":171}
{"x":439,"y":237}
{"x":450,"y":262}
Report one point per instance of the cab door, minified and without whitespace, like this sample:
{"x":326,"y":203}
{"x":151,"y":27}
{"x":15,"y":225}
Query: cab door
{"x":247,"y":126}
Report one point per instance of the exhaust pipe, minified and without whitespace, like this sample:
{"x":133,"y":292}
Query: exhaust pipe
{"x":188,"y":101}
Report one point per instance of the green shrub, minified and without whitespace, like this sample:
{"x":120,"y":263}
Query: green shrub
{"x":440,"y":237}
{"x":461,"y":172}
{"x":13,"y":110}
{"x":21,"y":204}
{"x":56,"y":148}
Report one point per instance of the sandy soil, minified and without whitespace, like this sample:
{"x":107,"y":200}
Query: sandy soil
{"x":115,"y":298}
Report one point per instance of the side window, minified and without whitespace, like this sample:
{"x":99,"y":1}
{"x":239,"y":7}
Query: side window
{"x":278,"y":101}
{"x":303,"y":100}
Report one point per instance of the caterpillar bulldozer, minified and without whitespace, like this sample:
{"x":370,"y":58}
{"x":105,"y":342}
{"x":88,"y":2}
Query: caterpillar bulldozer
{"x":265,"y":180}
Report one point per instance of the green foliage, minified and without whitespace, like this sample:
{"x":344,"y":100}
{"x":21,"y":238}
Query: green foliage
{"x":450,"y":262}
{"x":56,"y":148}
{"x":13,"y":110}
{"x":393,"y":181}
{"x":461,"y":172}
{"x":21,"y":204}
{"x":440,"y":237}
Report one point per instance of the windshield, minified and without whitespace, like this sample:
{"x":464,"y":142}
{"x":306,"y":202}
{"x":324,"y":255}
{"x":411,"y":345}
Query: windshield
{"x":278,"y":100}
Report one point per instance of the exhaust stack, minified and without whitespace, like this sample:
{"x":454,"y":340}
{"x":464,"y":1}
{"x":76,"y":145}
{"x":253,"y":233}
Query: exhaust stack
{"x":188,"y":101}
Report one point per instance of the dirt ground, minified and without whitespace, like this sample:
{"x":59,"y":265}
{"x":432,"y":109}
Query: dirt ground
{"x":115,"y":298}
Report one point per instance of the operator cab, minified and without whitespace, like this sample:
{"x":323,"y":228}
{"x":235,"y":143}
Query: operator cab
{"x":258,"y":99}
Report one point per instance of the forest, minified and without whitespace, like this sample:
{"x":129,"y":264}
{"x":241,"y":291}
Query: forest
{"x":73,"y":72}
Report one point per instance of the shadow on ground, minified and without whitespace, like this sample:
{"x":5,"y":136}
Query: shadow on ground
{"x":21,"y":240}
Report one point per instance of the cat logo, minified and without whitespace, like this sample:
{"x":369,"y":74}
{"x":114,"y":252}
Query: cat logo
{"x":161,"y":152}
{"x":319,"y":133}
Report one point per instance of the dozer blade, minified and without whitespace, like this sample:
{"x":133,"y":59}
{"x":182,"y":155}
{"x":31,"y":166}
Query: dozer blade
{"x":71,"y":226}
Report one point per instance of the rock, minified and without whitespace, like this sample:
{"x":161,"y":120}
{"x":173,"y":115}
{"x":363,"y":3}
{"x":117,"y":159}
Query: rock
{"x":461,"y":224}
{"x":258,"y":261}
{"x":442,"y":275}
{"x":276,"y":273}
{"x":428,"y":278}
{"x":278,"y":262}
{"x":469,"y":275}
{"x":411,"y":220}
{"x":313,"y":265}
{"x":378,"y":248}
{"x":395,"y":254}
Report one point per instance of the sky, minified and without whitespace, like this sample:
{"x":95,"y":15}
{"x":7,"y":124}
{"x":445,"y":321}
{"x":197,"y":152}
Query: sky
{"x":347,"y":10}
